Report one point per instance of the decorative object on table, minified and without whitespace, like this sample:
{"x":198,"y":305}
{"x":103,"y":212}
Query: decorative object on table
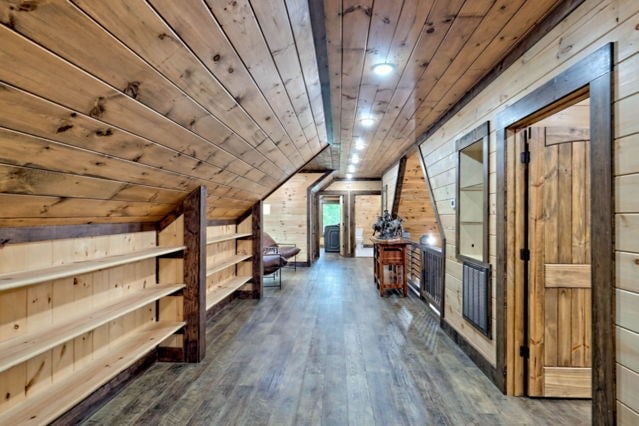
{"x":388,"y":227}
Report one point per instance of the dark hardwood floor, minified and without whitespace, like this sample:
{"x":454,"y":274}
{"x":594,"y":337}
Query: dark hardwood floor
{"x":326,"y":349}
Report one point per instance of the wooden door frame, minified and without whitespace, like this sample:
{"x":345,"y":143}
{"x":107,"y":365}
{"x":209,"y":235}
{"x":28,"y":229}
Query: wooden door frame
{"x":591,"y":75}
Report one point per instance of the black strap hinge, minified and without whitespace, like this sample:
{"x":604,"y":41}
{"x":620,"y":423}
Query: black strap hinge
{"x":524,"y":157}
{"x":524,"y":351}
{"x":524,"y":254}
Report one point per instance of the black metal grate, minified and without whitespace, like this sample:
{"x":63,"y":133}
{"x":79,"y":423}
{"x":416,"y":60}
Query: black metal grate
{"x":433,"y":280}
{"x":476,"y":296}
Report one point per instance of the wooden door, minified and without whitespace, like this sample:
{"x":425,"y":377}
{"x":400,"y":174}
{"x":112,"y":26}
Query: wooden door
{"x":559,"y":278}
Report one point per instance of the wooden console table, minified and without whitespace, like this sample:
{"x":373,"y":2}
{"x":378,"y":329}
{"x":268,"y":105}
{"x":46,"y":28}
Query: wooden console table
{"x":390,"y":253}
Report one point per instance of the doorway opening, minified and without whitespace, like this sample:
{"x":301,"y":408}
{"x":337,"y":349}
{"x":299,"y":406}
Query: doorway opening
{"x":330,"y":223}
{"x":590,"y":78}
{"x":553,"y":273}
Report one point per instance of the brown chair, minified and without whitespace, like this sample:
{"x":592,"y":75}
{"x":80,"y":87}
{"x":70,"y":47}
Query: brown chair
{"x":287,"y":251}
{"x":272,"y":265}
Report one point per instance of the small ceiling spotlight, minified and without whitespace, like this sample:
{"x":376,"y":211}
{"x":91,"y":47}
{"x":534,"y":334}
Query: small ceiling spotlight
{"x":355,"y":159}
{"x":359,"y":144}
{"x":351,"y":168}
{"x":383,"y":69}
{"x":349,"y":176}
{"x":367,"y":121}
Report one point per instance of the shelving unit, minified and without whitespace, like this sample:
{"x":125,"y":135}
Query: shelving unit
{"x":22,"y":348}
{"x":471,"y":201}
{"x":229,"y":260}
{"x":77,"y":312}
{"x":25,"y":278}
{"x":48,"y":404}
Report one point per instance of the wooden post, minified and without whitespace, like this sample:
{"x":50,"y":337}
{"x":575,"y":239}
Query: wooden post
{"x":194,"y":208}
{"x":258,"y":266}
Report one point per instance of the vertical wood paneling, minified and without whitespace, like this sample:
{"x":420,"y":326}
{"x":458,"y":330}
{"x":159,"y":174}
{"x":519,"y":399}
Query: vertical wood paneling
{"x":286,"y":222}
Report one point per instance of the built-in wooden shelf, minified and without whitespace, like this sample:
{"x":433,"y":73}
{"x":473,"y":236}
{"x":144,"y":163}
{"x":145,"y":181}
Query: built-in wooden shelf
{"x":22,"y":348}
{"x":223,"y":289}
{"x":232,"y":260}
{"x":227,"y":237}
{"x":46,"y":405}
{"x":35,"y":276}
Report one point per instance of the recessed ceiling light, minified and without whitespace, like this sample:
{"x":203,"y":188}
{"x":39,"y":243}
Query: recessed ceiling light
{"x":351,"y":168}
{"x":349,"y":176}
{"x":355,"y":159}
{"x":359,"y":146}
{"x":383,"y":69}
{"x":367,"y":121}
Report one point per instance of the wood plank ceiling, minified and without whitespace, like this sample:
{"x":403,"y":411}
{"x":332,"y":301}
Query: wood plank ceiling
{"x":439,"y":49}
{"x":113,"y":110}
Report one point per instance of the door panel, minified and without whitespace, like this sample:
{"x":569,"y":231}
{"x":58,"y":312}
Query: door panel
{"x":559,"y":277}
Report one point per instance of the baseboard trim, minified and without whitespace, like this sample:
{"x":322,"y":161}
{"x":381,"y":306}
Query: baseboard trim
{"x":475,"y":356}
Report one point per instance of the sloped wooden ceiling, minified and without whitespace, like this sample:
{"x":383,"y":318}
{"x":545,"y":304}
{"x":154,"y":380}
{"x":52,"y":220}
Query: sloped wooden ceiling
{"x":114,"y":110}
{"x":439,"y":49}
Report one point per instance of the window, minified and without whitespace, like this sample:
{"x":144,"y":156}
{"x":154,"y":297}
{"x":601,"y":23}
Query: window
{"x":472,"y":195}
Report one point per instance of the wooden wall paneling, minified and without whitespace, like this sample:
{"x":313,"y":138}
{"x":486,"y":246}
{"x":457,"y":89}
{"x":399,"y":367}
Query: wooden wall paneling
{"x":367,"y":209}
{"x":300,"y":19}
{"x":27,"y":180}
{"x":495,"y":31}
{"x":274,"y":21}
{"x":404,"y":40}
{"x":32,"y":115}
{"x":415,"y":205}
{"x":109,"y":105}
{"x":122,"y":69}
{"x":356,"y":19}
{"x":216,"y":97}
{"x":192,"y":21}
{"x":19,"y":206}
{"x":427,"y":45}
{"x":287,"y":221}
{"x":384,"y":17}
{"x":241,"y":26}
{"x":527,"y":14}
{"x":466,"y":24}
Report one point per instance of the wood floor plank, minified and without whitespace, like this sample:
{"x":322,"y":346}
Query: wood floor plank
{"x":326,"y":349}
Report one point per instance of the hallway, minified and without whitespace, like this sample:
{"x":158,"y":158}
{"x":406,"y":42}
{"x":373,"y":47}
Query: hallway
{"x":326,"y":349}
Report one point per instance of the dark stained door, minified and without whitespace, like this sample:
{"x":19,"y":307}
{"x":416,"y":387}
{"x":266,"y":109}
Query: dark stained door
{"x":331,"y":239}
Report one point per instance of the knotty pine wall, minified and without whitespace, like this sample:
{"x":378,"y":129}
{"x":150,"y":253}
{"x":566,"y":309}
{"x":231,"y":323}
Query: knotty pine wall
{"x":28,"y":308}
{"x":287,"y":220}
{"x":367,"y":209}
{"x":415,"y":204}
{"x":589,"y":27}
